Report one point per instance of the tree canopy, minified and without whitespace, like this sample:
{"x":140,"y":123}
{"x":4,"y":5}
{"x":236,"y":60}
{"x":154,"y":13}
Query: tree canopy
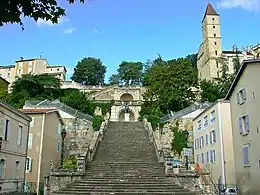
{"x":128,"y":73}
{"x":89,"y":71}
{"x":170,"y":83}
{"x":14,"y":11}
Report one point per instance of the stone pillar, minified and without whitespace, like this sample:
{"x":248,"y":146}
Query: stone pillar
{"x":127,"y":117}
{"x":81,"y":162}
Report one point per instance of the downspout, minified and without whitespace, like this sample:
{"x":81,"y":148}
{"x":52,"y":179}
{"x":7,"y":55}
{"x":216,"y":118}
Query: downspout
{"x":40,"y":154}
{"x":26,"y":153}
{"x":221,"y":144}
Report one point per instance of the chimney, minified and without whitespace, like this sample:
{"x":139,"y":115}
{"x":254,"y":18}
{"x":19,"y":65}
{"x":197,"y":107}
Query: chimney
{"x":21,"y":58}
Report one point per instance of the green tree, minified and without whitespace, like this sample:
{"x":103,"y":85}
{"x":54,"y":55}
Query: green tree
{"x":236,"y":64}
{"x":169,"y":83}
{"x":210,"y":91}
{"x":114,"y":79}
{"x":131,"y":72}
{"x":193,"y":59}
{"x":14,"y":11}
{"x":179,"y":140}
{"x":3,"y":90}
{"x":89,"y":71}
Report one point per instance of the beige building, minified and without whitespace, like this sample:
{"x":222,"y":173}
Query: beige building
{"x":44,"y":144}
{"x":245,"y":103}
{"x":14,"y":129}
{"x":211,"y":48}
{"x":213,"y":143}
{"x":33,"y":66}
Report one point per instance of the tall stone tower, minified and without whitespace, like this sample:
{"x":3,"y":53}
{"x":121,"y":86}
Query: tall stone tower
{"x":210,"y":49}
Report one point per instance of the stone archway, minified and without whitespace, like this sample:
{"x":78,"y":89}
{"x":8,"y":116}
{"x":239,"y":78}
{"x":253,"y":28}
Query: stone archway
{"x":126,"y":97}
{"x":121,"y":116}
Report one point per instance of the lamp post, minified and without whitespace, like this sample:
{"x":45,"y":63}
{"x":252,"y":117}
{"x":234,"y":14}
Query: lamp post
{"x":186,"y":133}
{"x":63,"y":135}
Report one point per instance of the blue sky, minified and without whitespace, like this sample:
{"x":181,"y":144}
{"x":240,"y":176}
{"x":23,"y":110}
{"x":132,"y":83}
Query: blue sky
{"x":131,"y":30}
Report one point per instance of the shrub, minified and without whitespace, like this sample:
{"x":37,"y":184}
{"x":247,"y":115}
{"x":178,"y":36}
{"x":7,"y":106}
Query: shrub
{"x":97,"y":121}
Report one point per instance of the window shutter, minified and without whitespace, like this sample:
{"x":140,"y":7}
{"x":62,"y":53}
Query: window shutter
{"x":210,"y":137}
{"x":207,"y":139}
{"x":214,"y":156}
{"x":214,"y":136}
{"x":30,"y":164}
{"x":202,"y":139}
{"x":59,"y":129}
{"x":202,"y":157}
{"x":238,"y":98}
{"x":2,"y":130}
{"x":211,"y":156}
{"x":32,"y":122}
{"x":30,"y":141}
{"x":207,"y":156}
{"x":246,"y":159}
{"x":240,"y":125}
{"x":247,"y":123}
{"x":244,"y":93}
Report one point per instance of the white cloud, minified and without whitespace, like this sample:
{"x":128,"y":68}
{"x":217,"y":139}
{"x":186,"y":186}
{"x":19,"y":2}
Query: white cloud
{"x":252,"y":5}
{"x":42,"y":22}
{"x":69,"y":30}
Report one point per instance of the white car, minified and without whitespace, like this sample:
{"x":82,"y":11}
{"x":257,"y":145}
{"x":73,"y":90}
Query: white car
{"x":229,"y":191}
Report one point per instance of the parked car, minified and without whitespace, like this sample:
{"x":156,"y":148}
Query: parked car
{"x":229,"y":191}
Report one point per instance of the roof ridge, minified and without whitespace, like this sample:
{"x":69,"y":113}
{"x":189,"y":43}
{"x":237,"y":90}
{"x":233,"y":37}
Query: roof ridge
{"x":210,"y":11}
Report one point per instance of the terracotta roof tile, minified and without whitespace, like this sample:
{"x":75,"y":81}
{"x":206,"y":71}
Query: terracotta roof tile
{"x":210,"y":11}
{"x":38,"y":110}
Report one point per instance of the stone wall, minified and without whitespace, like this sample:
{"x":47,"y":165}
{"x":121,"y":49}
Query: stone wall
{"x":61,"y":177}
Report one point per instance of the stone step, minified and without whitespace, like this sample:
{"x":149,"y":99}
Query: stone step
{"x":126,"y":185}
{"x":128,"y":193}
{"x":124,"y":181}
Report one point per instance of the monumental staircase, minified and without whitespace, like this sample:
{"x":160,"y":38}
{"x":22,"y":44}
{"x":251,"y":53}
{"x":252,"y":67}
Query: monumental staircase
{"x":125,"y":163}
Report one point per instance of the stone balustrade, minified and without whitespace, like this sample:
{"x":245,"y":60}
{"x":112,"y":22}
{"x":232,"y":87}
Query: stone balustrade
{"x":189,"y":179}
{"x":62,"y":177}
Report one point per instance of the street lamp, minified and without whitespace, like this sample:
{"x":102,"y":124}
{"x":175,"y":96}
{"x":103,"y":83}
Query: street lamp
{"x":63,"y":135}
{"x":186,"y":133}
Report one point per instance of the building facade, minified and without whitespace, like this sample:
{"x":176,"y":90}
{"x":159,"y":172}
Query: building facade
{"x":244,"y":100}
{"x":44,"y":144}
{"x":213,"y":143}
{"x":14,"y":129}
{"x":33,"y":66}
{"x":211,"y":50}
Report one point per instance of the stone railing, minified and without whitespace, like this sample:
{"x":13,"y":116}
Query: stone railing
{"x":155,"y":139}
{"x":61,"y":178}
{"x":188,"y":179}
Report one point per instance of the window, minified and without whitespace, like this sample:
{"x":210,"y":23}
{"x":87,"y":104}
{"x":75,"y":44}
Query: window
{"x":8,"y":75}
{"x":196,"y":143}
{"x":218,"y":74}
{"x":215,"y":35}
{"x":213,"y":19}
{"x":202,"y":157}
{"x":2,"y":169}
{"x":19,"y":136}
{"x":7,"y":124}
{"x":215,"y":43}
{"x":216,"y":52}
{"x":17,"y":167}
{"x":213,"y":117}
{"x":199,"y":125}
{"x":32,"y":122}
{"x":244,"y":127}
{"x":19,"y":71}
{"x":212,"y":156}
{"x":28,"y":164}
{"x":206,"y":121}
{"x":207,"y":139}
{"x":207,"y":156}
{"x":30,"y":141}
{"x":198,"y":157}
{"x":58,"y":69}
{"x":246,"y":155}
{"x":213,"y":136}
{"x":58,"y":146}
{"x":241,"y":96}
{"x":214,"y":27}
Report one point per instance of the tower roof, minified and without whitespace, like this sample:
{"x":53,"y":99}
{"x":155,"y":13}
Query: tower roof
{"x":210,"y":11}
